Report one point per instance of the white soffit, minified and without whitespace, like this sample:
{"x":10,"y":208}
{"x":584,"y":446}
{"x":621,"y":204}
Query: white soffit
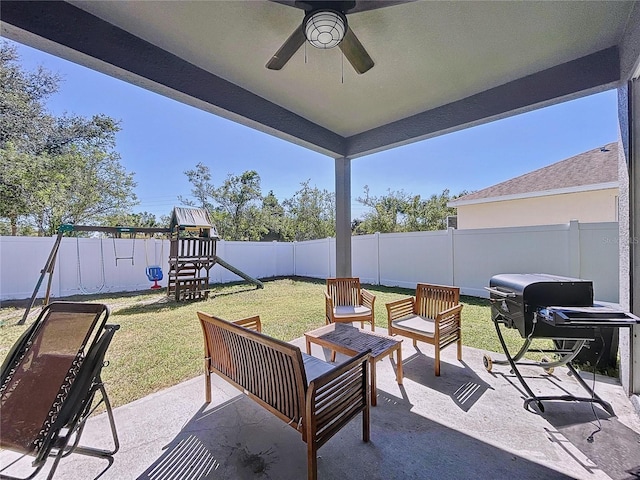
{"x":426,"y":53}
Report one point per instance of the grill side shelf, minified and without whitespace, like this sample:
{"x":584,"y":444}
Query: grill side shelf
{"x":587,"y":316}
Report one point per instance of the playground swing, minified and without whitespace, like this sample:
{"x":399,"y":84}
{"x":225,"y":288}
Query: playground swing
{"x":80,"y":285}
{"x":53,"y":256}
{"x":154,"y":272}
{"x":133,"y":246}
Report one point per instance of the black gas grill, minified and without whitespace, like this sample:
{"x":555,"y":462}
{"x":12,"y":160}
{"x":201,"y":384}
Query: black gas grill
{"x":553,"y":307}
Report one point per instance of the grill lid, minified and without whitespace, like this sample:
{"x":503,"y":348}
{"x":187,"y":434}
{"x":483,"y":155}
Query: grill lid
{"x":518,"y":282}
{"x":563,"y":305}
{"x":537,"y":290}
{"x":517,"y":297}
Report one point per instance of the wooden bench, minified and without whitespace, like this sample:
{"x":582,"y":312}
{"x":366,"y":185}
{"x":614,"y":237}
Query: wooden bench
{"x":314,"y":397}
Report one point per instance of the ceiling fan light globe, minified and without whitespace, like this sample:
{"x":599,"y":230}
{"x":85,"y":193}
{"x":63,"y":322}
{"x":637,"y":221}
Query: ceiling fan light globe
{"x":325,"y":28}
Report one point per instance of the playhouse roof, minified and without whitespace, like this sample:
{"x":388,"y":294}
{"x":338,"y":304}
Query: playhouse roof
{"x":192,"y":218}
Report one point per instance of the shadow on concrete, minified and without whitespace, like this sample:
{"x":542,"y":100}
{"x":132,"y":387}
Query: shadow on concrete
{"x":240,"y":440}
{"x":603,"y":442}
{"x":611,"y":445}
{"x":457,"y":380}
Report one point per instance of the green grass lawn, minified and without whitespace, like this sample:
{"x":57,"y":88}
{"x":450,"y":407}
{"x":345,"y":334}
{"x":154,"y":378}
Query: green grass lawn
{"x":159,"y":343}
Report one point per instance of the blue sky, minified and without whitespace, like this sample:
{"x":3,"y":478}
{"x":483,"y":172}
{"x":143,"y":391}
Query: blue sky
{"x":161,"y":138}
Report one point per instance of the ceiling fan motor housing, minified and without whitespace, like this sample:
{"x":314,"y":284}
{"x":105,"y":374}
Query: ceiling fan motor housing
{"x":325,"y":28}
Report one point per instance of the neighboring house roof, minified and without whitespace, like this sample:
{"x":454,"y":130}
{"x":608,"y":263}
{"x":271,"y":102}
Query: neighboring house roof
{"x":595,"y":169}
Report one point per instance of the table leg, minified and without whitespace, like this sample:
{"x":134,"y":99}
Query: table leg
{"x":374,"y":393}
{"x":399,"y":373}
{"x":308,"y":347}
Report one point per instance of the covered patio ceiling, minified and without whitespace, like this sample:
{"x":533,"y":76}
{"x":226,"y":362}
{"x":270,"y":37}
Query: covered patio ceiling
{"x":439,"y":65}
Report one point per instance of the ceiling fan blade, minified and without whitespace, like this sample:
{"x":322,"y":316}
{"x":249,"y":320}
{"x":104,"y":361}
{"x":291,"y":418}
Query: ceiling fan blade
{"x":344,"y":6}
{"x":355,"y":52}
{"x":309,"y":5}
{"x":364,"y":5}
{"x":288,"y":48}
{"x":288,"y":3}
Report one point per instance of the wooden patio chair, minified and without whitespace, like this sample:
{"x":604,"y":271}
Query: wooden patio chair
{"x":49,"y":381}
{"x":432,"y":316}
{"x":346,"y":302}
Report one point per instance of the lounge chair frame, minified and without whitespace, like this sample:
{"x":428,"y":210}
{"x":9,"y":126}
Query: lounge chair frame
{"x":61,"y":431}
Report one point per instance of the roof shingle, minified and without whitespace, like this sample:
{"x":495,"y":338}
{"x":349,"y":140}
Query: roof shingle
{"x":596,"y":166}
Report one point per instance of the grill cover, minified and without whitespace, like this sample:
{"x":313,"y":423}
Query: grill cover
{"x":524,"y":294}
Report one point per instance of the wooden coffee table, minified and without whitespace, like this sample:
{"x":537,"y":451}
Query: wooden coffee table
{"x":349,"y":340}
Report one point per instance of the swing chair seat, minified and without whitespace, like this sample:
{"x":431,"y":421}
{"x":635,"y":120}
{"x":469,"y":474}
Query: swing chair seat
{"x":154,"y":273}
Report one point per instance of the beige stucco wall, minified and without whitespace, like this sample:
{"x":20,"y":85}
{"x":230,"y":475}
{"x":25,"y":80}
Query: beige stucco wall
{"x":586,"y":207}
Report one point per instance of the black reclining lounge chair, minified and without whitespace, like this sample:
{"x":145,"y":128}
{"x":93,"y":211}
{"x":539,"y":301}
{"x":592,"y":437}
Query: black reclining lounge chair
{"x":48,"y":384}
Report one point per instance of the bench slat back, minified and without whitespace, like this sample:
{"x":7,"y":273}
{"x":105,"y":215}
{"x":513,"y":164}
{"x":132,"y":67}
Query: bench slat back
{"x":344,"y":291}
{"x":268,"y":370}
{"x":433,"y":299}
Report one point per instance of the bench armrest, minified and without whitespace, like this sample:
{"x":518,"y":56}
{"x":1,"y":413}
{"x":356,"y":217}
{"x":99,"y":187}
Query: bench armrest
{"x":368,"y":299}
{"x":449,"y":320}
{"x":400,"y":308}
{"x":335,"y":397}
{"x":328,"y":307}
{"x":252,"y":323}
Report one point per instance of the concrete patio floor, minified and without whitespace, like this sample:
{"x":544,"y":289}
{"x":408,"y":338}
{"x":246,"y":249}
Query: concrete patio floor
{"x":467,"y":423}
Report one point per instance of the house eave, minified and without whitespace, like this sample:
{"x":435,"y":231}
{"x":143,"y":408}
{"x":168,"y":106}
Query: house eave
{"x":541,"y":193}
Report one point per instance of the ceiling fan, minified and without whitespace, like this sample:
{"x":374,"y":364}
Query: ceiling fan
{"x":325,"y":26}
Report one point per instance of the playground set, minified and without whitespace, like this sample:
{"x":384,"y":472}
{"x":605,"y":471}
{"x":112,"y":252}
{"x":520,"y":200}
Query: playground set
{"x":192,"y":255}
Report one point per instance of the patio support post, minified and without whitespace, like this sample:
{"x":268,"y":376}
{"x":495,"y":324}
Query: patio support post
{"x":343,"y":217}
{"x":634,"y":231}
{"x":629,"y":228}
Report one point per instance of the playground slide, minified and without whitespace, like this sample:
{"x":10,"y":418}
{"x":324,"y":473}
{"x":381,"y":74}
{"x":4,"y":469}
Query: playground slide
{"x":240,"y":273}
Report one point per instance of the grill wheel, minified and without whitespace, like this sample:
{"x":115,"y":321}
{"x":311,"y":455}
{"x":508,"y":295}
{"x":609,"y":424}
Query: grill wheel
{"x":488,"y":363}
{"x":544,"y":360}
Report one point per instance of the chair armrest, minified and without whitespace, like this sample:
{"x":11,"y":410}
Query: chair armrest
{"x":335,"y":397}
{"x":448,"y":320}
{"x":400,"y":308}
{"x":368,"y":299}
{"x":252,"y":323}
{"x":328,"y":306}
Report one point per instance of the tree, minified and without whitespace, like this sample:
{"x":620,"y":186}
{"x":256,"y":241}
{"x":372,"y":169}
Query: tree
{"x":274,"y":218}
{"x":429,"y":214}
{"x":311,"y":213}
{"x":238,"y":199}
{"x":400,"y":212}
{"x":54,"y":170}
{"x":203,"y":190}
{"x":84,"y":187}
{"x":386,"y":212}
{"x":235,"y":207}
{"x":18,"y":176}
{"x":25,"y":121}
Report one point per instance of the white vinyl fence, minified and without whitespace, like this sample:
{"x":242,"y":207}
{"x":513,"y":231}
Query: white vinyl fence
{"x":466,"y":258}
